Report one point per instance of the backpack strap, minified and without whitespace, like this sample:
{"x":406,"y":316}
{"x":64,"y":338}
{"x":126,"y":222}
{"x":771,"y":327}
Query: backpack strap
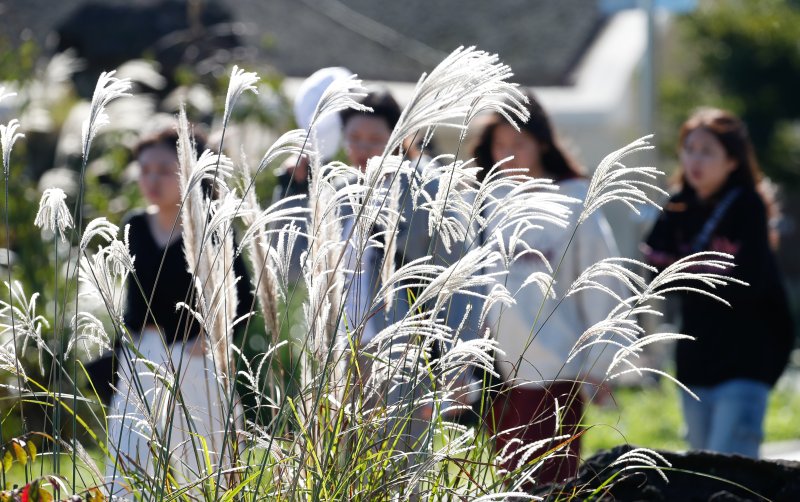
{"x":701,"y":240}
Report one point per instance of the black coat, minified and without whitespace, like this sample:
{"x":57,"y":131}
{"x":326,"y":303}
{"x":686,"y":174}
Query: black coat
{"x":753,"y":337}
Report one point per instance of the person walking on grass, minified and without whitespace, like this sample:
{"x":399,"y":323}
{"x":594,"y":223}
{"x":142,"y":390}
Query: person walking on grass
{"x":740,"y":349}
{"x":168,"y":342}
{"x":365,"y":136}
{"x":542,"y":395}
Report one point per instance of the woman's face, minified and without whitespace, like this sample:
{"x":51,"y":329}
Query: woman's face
{"x":158,"y":176}
{"x":507,"y":142}
{"x":365,"y":137}
{"x":706,"y":164}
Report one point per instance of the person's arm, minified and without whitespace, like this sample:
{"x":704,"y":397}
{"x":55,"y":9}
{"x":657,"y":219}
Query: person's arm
{"x":747,"y":240}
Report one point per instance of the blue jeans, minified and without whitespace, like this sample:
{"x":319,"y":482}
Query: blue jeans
{"x":729,"y":417}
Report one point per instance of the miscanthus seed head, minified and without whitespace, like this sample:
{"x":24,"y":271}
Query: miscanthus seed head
{"x":9,"y":136}
{"x":108,"y":89}
{"x":53,"y":214}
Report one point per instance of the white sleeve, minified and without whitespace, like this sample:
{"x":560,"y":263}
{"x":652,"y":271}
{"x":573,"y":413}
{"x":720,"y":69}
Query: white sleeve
{"x":595,"y":242}
{"x":358,"y":285}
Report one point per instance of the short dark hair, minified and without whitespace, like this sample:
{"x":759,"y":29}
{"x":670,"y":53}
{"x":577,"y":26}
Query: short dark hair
{"x":383,"y":107}
{"x":167,"y":137}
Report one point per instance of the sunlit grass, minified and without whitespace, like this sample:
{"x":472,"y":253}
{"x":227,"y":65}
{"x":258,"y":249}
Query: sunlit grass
{"x":651,"y":417}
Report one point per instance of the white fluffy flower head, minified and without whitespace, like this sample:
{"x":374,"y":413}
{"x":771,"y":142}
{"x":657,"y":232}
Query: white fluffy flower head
{"x":108,"y":88}
{"x":53,"y":213}
{"x":8,"y":136}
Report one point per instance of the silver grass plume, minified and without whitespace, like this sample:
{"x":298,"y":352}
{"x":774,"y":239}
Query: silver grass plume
{"x":472,"y":271}
{"x":212,"y":167}
{"x":20,"y":317}
{"x":294,"y":142}
{"x":252,"y":378}
{"x":271,"y":256}
{"x":9,"y":136}
{"x":642,"y":458}
{"x":323,"y":274}
{"x":453,"y":446}
{"x":106,"y":272}
{"x":107,"y":89}
{"x":700,"y":268}
{"x":209,"y":252}
{"x":90,"y":332}
{"x":53,"y":214}
{"x":98,"y":227}
{"x":450,"y":209}
{"x":509,"y":197}
{"x":191,"y":194}
{"x":382,"y":179}
{"x":621,"y":329}
{"x":597,"y":274}
{"x":9,"y":361}
{"x":341,"y":94}
{"x":4,"y":94}
{"x":240,"y":82}
{"x":612,"y":181}
{"x":264,"y":276}
{"x":477,"y":353}
{"x":466,"y":81}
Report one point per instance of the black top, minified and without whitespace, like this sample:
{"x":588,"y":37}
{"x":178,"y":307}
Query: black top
{"x":753,"y":337}
{"x":174,"y":284}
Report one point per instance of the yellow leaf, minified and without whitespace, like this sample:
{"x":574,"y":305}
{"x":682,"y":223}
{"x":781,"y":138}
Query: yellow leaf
{"x":44,"y":495}
{"x":20,"y":453}
{"x":7,"y":461}
{"x":32,"y":450}
{"x":94,"y":495}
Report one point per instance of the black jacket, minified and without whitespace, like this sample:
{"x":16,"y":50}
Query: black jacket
{"x":753,"y":337}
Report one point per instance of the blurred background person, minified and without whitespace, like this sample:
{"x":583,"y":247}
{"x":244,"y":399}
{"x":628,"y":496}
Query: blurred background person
{"x":537,"y":381}
{"x":366,"y":135}
{"x":740,"y":350}
{"x":325,"y":136}
{"x":169,"y":338}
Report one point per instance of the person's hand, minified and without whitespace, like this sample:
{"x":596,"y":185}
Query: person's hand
{"x":724,"y":245}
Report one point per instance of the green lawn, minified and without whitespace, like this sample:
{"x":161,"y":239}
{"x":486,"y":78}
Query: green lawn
{"x":651,"y":417}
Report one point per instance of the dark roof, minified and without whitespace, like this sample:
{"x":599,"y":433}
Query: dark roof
{"x":540,"y":39}
{"x":382,"y":40}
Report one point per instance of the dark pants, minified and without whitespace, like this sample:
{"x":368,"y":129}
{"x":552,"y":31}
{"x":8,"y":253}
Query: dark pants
{"x":528,"y":414}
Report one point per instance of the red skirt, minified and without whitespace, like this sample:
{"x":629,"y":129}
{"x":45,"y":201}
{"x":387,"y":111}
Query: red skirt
{"x":528,"y":414}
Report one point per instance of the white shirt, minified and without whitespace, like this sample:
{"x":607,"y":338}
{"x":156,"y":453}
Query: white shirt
{"x":538,"y":334}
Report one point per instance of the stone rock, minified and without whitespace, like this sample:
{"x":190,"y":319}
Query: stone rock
{"x":694,"y":476}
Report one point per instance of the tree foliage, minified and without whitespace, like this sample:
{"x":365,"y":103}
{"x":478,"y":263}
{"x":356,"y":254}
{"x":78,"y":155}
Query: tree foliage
{"x":744,"y":55}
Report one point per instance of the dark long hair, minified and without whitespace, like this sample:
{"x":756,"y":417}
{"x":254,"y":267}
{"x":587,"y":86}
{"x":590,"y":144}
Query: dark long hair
{"x":734,"y":137}
{"x":732,"y":134}
{"x":554,"y":159}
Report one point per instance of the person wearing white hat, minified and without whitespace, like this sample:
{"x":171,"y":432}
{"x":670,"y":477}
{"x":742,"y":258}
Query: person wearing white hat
{"x":326,"y":136}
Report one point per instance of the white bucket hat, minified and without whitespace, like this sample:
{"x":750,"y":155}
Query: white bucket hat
{"x":329,"y":129}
